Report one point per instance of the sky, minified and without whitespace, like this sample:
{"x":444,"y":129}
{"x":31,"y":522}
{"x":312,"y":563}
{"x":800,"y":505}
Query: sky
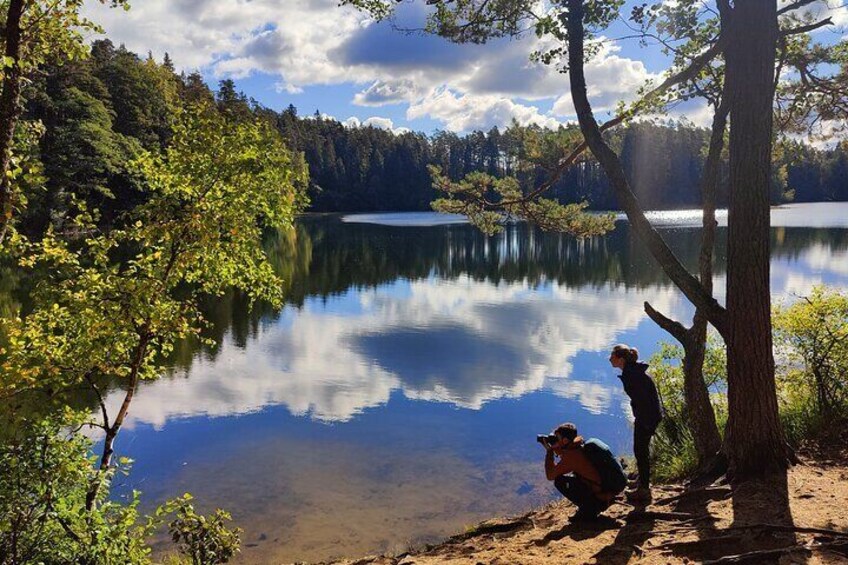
{"x":338,"y":61}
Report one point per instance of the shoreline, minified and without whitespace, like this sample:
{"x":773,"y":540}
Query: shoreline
{"x":802,"y":517}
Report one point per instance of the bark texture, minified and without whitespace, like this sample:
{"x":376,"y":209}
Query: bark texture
{"x":754,"y":440}
{"x":9,"y":107}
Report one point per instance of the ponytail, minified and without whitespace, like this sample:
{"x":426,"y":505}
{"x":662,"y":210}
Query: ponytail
{"x":630,"y":354}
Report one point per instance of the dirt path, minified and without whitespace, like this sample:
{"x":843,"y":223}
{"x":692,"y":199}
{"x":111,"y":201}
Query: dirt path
{"x":802,"y":519}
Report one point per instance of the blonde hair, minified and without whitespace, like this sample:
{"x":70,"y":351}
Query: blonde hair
{"x":630,"y":354}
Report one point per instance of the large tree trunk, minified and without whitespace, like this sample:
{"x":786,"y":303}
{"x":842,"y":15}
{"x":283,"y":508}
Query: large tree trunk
{"x":754,"y":439}
{"x":9,"y":107}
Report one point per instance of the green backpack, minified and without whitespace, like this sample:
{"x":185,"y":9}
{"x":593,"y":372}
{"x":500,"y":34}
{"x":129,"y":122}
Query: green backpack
{"x":599,"y":454}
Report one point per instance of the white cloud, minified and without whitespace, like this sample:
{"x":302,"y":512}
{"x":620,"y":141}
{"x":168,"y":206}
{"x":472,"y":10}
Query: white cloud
{"x":319,"y":43}
{"x":378,"y":122}
{"x":463,"y":87}
{"x":466,"y":112}
{"x":382,"y":93}
{"x":375,"y":122}
{"x":352,"y":122}
{"x":610,"y":78}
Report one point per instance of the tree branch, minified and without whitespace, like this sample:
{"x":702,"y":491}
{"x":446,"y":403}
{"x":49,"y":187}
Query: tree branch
{"x":806,"y":28}
{"x":611,"y":164}
{"x":100,"y":401}
{"x":794,"y":6}
{"x":676,"y":329}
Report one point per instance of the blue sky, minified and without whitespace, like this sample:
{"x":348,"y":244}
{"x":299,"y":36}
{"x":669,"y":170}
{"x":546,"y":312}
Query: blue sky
{"x":319,"y":56}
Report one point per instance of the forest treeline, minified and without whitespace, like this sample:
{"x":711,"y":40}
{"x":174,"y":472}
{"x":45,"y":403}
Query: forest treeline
{"x":96,"y":113}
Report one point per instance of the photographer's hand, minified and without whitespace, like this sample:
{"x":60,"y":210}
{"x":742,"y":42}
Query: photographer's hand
{"x":549,"y":462}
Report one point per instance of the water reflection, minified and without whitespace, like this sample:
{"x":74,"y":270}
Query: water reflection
{"x":395,"y":397}
{"x":441,"y":314}
{"x":460,"y":341}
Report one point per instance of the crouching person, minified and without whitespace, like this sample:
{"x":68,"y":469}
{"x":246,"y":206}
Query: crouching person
{"x":587,"y":473}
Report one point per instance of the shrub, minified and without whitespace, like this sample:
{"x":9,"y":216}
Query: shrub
{"x":45,"y":473}
{"x":673,"y":452}
{"x":811,"y":347}
{"x":811,"y":358}
{"x":204,"y":540}
{"x":46,"y":469}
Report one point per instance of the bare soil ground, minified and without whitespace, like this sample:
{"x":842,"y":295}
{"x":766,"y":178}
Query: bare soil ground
{"x":802,"y":518}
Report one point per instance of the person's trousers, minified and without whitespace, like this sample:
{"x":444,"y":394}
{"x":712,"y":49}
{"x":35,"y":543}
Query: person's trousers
{"x":579,"y":493}
{"x":641,"y":449}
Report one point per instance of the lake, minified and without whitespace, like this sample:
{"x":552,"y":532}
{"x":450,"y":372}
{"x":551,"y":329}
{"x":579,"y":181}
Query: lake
{"x":396,"y":397}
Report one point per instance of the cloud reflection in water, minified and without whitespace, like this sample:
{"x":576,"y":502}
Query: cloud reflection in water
{"x":461,"y":341}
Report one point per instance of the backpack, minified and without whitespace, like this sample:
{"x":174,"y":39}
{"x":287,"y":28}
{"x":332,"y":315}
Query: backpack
{"x":613,"y":479}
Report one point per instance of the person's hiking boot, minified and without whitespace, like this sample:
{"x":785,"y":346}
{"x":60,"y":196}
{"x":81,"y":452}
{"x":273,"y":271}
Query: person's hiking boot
{"x":583,"y":516}
{"x":640,"y":494}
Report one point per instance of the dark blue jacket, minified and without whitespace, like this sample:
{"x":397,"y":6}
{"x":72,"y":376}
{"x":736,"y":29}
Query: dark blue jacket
{"x":644,"y":399}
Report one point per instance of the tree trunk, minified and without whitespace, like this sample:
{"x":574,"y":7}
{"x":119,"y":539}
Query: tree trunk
{"x":9,"y":108}
{"x":701,"y":415}
{"x":699,"y":409}
{"x":611,"y":164}
{"x":112,"y":431}
{"x":754,"y":440}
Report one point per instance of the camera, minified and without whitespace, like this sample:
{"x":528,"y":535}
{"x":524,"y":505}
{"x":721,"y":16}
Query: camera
{"x":548,"y":439}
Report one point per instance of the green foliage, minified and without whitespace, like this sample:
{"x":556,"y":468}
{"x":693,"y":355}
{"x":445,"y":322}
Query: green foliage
{"x":55,"y":32}
{"x":811,"y":354}
{"x":673,"y":450}
{"x":204,"y":540}
{"x":114,"y":302}
{"x":49,"y":32}
{"x":45,"y":473}
{"x":211,"y":194}
{"x":488,"y":202}
{"x":811,"y":342}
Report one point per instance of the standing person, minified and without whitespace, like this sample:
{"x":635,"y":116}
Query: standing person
{"x":645,"y":403}
{"x":575,"y":476}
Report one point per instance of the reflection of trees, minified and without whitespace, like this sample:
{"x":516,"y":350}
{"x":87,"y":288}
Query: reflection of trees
{"x":361,"y":255}
{"x":290,"y":254}
{"x":791,"y":243}
{"x":324,"y":256}
{"x":347,"y":256}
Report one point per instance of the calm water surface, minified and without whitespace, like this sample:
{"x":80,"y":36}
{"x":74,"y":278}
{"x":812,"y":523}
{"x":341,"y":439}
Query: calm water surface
{"x":395,"y":398}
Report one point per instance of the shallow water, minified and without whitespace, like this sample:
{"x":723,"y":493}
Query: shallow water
{"x":396,"y":397}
